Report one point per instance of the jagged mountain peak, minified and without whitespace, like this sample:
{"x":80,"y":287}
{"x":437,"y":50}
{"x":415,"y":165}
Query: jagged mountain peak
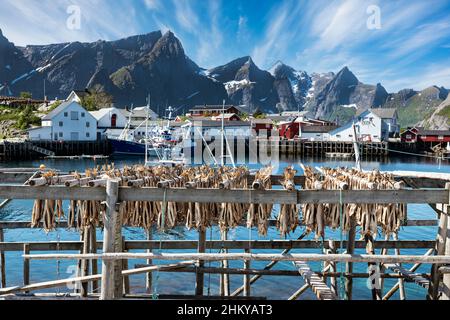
{"x":347,"y":76}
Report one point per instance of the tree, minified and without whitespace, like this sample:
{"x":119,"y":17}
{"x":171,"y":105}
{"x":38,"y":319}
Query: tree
{"x":26,"y":95}
{"x":96,"y":99}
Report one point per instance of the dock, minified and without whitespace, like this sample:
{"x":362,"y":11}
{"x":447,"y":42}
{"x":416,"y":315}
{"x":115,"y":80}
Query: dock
{"x":32,"y":150}
{"x":118,"y":253}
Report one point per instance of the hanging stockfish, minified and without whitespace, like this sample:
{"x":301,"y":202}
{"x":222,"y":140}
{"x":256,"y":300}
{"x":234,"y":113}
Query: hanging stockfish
{"x":287,"y":220}
{"x":259,"y":214}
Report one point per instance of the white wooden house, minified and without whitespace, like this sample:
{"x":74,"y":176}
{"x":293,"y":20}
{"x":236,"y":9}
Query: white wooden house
{"x":68,"y":122}
{"x":110,"y":121}
{"x":372,"y":125}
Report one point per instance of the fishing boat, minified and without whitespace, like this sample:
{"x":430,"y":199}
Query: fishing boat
{"x":127,"y":144}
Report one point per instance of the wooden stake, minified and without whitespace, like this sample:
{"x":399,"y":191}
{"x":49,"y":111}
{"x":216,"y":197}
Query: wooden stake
{"x":349,"y":265}
{"x":94,"y":262}
{"x":126,"y":279}
{"x":85,"y":263}
{"x":109,"y":271}
{"x":2,"y":261}
{"x":26,"y":266}
{"x":433,"y":290}
{"x":446,"y":278}
{"x":200,"y":277}
{"x":148,"y":276}
{"x":246,"y":285}
{"x":224,"y":278}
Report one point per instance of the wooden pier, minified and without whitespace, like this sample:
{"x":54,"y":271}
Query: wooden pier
{"x":31,"y":150}
{"x":115,"y":251}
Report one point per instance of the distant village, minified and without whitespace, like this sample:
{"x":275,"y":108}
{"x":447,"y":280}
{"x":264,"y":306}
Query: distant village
{"x":70,"y":121}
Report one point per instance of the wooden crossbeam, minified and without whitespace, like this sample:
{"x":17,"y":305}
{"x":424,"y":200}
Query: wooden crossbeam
{"x":318,"y":286}
{"x":409,"y":276}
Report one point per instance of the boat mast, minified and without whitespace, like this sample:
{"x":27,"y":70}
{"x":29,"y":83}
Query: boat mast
{"x":223,"y":133}
{"x":146,"y":129}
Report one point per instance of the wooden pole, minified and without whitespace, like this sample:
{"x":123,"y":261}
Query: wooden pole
{"x":85,"y":263}
{"x":2,"y":261}
{"x":111,"y":232}
{"x":433,"y":290}
{"x":246,"y":285}
{"x":26,"y":266}
{"x":370,"y":249}
{"x":333,"y":268}
{"x":349,"y":265}
{"x":224,"y":278}
{"x":149,"y":276}
{"x":94,"y":262}
{"x":126,"y":279}
{"x":446,"y":278}
{"x":401,"y":282}
{"x":200,"y":277}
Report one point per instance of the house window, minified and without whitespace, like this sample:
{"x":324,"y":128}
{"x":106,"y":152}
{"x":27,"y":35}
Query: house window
{"x":56,"y":136}
{"x":88,"y":124}
{"x":74,"y":115}
{"x":408,"y":136}
{"x":66,"y":114}
{"x":60,"y":123}
{"x":338,"y":136}
{"x":82,"y":114}
{"x":60,"y":134}
{"x":88,"y":134}
{"x":113,"y":120}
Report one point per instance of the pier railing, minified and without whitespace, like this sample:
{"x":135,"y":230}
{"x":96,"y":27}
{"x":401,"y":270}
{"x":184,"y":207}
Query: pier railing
{"x":116,"y":251}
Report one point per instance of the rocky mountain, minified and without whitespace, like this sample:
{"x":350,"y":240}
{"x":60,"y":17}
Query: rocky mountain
{"x":440,"y":117}
{"x":129,"y":69}
{"x":248,"y":85}
{"x":345,"y":91}
{"x":415,"y":106}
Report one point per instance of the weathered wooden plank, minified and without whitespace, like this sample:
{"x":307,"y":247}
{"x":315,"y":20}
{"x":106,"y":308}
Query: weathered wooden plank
{"x":318,"y":286}
{"x":215,"y":245}
{"x":63,"y":282}
{"x":228,"y":196}
{"x":433,"y":290}
{"x":272,"y":223}
{"x":367,"y":258}
{"x":109,"y":274}
{"x":52,"y":192}
{"x":419,"y":280}
{"x":2,"y":261}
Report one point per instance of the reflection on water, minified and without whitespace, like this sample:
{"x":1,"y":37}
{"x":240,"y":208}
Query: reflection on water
{"x":276,"y":287}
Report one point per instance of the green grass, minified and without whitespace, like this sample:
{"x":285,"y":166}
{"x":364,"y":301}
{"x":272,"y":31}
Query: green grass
{"x":445,"y":112}
{"x":416,"y":110}
{"x":344,"y":114}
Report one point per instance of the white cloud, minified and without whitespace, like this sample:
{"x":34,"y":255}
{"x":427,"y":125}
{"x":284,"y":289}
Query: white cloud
{"x":434,"y":74}
{"x":185,"y":15}
{"x":45,"y":22}
{"x":282,"y":28}
{"x":152,"y":4}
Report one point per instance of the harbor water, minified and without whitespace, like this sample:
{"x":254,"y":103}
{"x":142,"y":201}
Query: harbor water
{"x":272,"y":287}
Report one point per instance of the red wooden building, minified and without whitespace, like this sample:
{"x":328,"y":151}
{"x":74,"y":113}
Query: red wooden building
{"x":414,"y":135}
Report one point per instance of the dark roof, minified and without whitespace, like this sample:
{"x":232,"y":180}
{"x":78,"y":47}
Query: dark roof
{"x":81,"y":93}
{"x":318,"y":129}
{"x":434,"y":132}
{"x":212,"y":107}
{"x":57,"y":110}
{"x":383,"y":113}
{"x":211,"y":123}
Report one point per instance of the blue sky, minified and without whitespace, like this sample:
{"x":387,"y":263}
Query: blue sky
{"x":411,"y":49}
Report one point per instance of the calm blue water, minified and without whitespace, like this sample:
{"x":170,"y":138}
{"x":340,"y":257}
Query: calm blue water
{"x":274,"y":287}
